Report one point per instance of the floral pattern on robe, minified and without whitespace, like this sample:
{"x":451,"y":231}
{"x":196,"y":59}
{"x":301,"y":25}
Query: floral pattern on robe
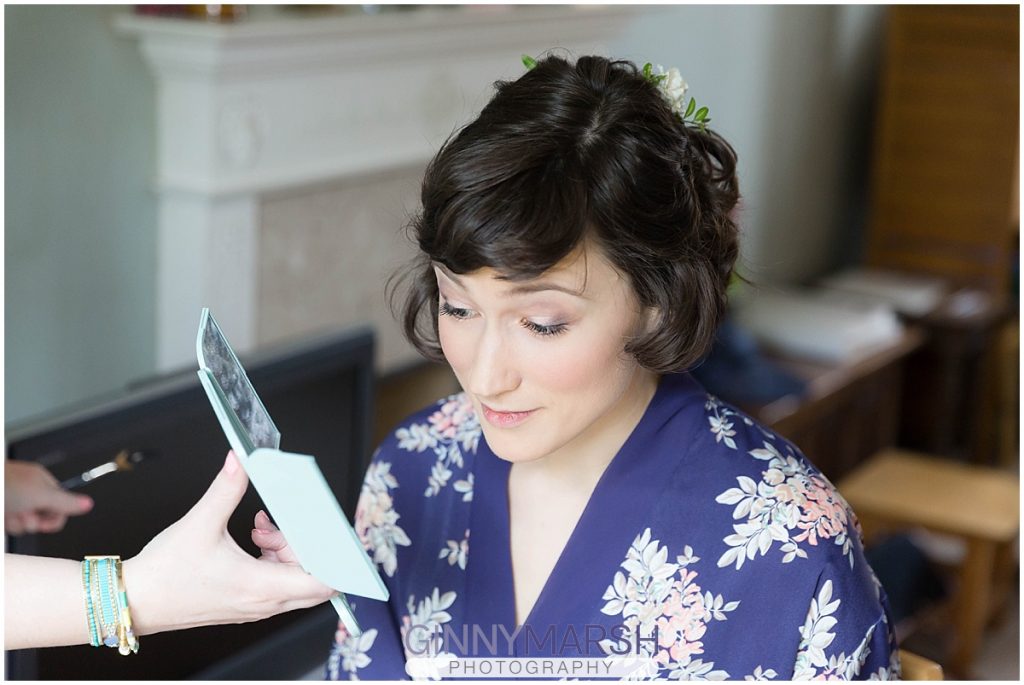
{"x":710,"y":546}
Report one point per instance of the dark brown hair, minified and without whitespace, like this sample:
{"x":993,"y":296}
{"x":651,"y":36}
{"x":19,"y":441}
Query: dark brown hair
{"x":569,"y":152}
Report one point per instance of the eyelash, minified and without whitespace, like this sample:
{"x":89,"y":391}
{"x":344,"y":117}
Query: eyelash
{"x":446,"y":309}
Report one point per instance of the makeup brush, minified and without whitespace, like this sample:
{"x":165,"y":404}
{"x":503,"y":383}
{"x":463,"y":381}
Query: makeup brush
{"x":125,"y":460}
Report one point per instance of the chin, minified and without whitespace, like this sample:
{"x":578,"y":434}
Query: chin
{"x":517,"y":458}
{"x":507,"y":449}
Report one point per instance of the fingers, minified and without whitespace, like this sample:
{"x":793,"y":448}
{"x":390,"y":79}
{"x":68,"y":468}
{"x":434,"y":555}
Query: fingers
{"x":263,"y":522}
{"x":224,"y":494}
{"x":28,"y":523}
{"x":271,"y":541}
{"x":51,"y":522}
{"x":28,"y":486}
{"x":267,"y":553}
{"x":38,"y":521}
{"x":274,"y":547}
{"x":14,"y":524}
{"x":66,"y":503}
{"x":45,"y":476}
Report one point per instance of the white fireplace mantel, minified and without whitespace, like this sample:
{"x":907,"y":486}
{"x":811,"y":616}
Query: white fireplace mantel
{"x":266,"y":107}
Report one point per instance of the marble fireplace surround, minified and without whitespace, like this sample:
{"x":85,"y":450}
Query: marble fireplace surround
{"x":290,"y":150}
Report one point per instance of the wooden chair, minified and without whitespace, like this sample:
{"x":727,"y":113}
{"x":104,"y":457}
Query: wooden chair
{"x":896,"y":489}
{"x":916,"y":667}
{"x":1008,"y":403}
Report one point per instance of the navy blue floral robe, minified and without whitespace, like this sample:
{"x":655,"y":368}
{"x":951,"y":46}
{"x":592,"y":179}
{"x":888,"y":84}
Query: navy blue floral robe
{"x":710,"y":545}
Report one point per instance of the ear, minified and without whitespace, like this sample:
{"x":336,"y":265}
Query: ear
{"x":646,"y":322}
{"x":649,"y":318}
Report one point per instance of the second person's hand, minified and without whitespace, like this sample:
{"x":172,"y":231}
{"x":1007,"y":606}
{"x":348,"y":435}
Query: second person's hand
{"x":34,"y":502}
{"x":195,"y":574}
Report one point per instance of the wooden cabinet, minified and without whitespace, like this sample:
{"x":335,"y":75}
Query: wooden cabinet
{"x":944,"y":182}
{"x":849,"y":410}
{"x":944,"y":202}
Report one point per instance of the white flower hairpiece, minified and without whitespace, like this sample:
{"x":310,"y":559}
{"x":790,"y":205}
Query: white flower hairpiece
{"x":672,"y":87}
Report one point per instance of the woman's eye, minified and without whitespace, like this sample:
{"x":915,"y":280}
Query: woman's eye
{"x":540,"y":329}
{"x":457,"y":313}
{"x":447,"y":310}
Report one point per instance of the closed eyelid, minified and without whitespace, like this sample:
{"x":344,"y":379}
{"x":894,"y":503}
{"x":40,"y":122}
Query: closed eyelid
{"x":546,"y":320}
{"x":457,"y":303}
{"x":542,"y":315}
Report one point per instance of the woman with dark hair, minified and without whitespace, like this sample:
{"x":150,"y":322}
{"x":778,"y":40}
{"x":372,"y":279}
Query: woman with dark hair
{"x":584,"y":496}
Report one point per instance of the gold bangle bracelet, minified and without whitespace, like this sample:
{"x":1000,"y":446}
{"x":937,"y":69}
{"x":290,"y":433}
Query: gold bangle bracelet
{"x":129,"y":642}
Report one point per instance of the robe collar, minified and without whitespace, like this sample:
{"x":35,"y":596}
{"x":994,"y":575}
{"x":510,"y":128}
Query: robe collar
{"x":618,"y":510}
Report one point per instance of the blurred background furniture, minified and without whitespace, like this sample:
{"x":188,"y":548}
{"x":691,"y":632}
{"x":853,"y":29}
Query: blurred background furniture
{"x":896,"y":490}
{"x":916,"y":667}
{"x":952,"y":383}
{"x":1008,"y":410}
{"x":408,"y":390}
{"x":848,"y":411}
{"x":944,"y":203}
{"x":946,"y":140}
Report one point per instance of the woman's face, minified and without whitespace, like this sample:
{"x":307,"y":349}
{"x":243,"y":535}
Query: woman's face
{"x":542,"y":361}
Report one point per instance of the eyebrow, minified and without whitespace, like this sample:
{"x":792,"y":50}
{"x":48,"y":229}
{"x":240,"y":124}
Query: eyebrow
{"x":519,"y":289}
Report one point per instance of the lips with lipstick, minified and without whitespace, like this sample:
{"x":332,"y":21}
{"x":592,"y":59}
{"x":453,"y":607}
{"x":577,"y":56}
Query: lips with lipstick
{"x":505,"y":419}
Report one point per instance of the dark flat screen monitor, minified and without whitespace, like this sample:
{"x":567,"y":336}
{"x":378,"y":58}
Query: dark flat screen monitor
{"x":320,"y":394}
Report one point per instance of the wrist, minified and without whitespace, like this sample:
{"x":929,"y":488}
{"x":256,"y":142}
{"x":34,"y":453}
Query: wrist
{"x":141,"y":597}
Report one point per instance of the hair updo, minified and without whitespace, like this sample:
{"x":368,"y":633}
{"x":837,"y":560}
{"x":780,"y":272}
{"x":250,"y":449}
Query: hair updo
{"x":569,"y":152}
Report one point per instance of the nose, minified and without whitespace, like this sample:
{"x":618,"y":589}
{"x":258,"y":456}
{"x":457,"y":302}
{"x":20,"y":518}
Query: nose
{"x":493,"y":372}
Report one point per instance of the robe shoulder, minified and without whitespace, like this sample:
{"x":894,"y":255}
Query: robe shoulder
{"x":427,"y":457}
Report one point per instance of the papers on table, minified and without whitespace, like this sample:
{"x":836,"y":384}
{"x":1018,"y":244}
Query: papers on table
{"x":909,"y":294}
{"x":818,"y":324}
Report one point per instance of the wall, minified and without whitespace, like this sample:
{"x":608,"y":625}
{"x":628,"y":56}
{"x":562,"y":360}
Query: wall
{"x":80,"y":220}
{"x":789,"y":87}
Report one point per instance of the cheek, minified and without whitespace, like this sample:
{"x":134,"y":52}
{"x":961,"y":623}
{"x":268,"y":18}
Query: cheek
{"x":586,"y":365}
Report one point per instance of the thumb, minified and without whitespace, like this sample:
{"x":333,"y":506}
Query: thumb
{"x":224,"y":493}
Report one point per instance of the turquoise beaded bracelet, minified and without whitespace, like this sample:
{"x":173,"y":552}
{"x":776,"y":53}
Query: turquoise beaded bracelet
{"x":90,"y":616}
{"x":106,"y":604}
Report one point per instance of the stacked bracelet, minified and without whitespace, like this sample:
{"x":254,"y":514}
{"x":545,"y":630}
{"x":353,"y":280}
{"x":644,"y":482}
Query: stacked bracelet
{"x":106,"y":604}
{"x":94,"y":639}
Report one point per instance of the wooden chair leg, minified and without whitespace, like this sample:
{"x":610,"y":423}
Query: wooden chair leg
{"x":915,"y":667}
{"x":1004,"y":566}
{"x":971,"y":606}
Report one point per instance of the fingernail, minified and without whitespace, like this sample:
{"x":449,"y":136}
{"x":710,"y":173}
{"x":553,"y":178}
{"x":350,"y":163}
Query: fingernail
{"x":230,"y":464}
{"x":85,"y":503}
{"x":262,"y":530}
